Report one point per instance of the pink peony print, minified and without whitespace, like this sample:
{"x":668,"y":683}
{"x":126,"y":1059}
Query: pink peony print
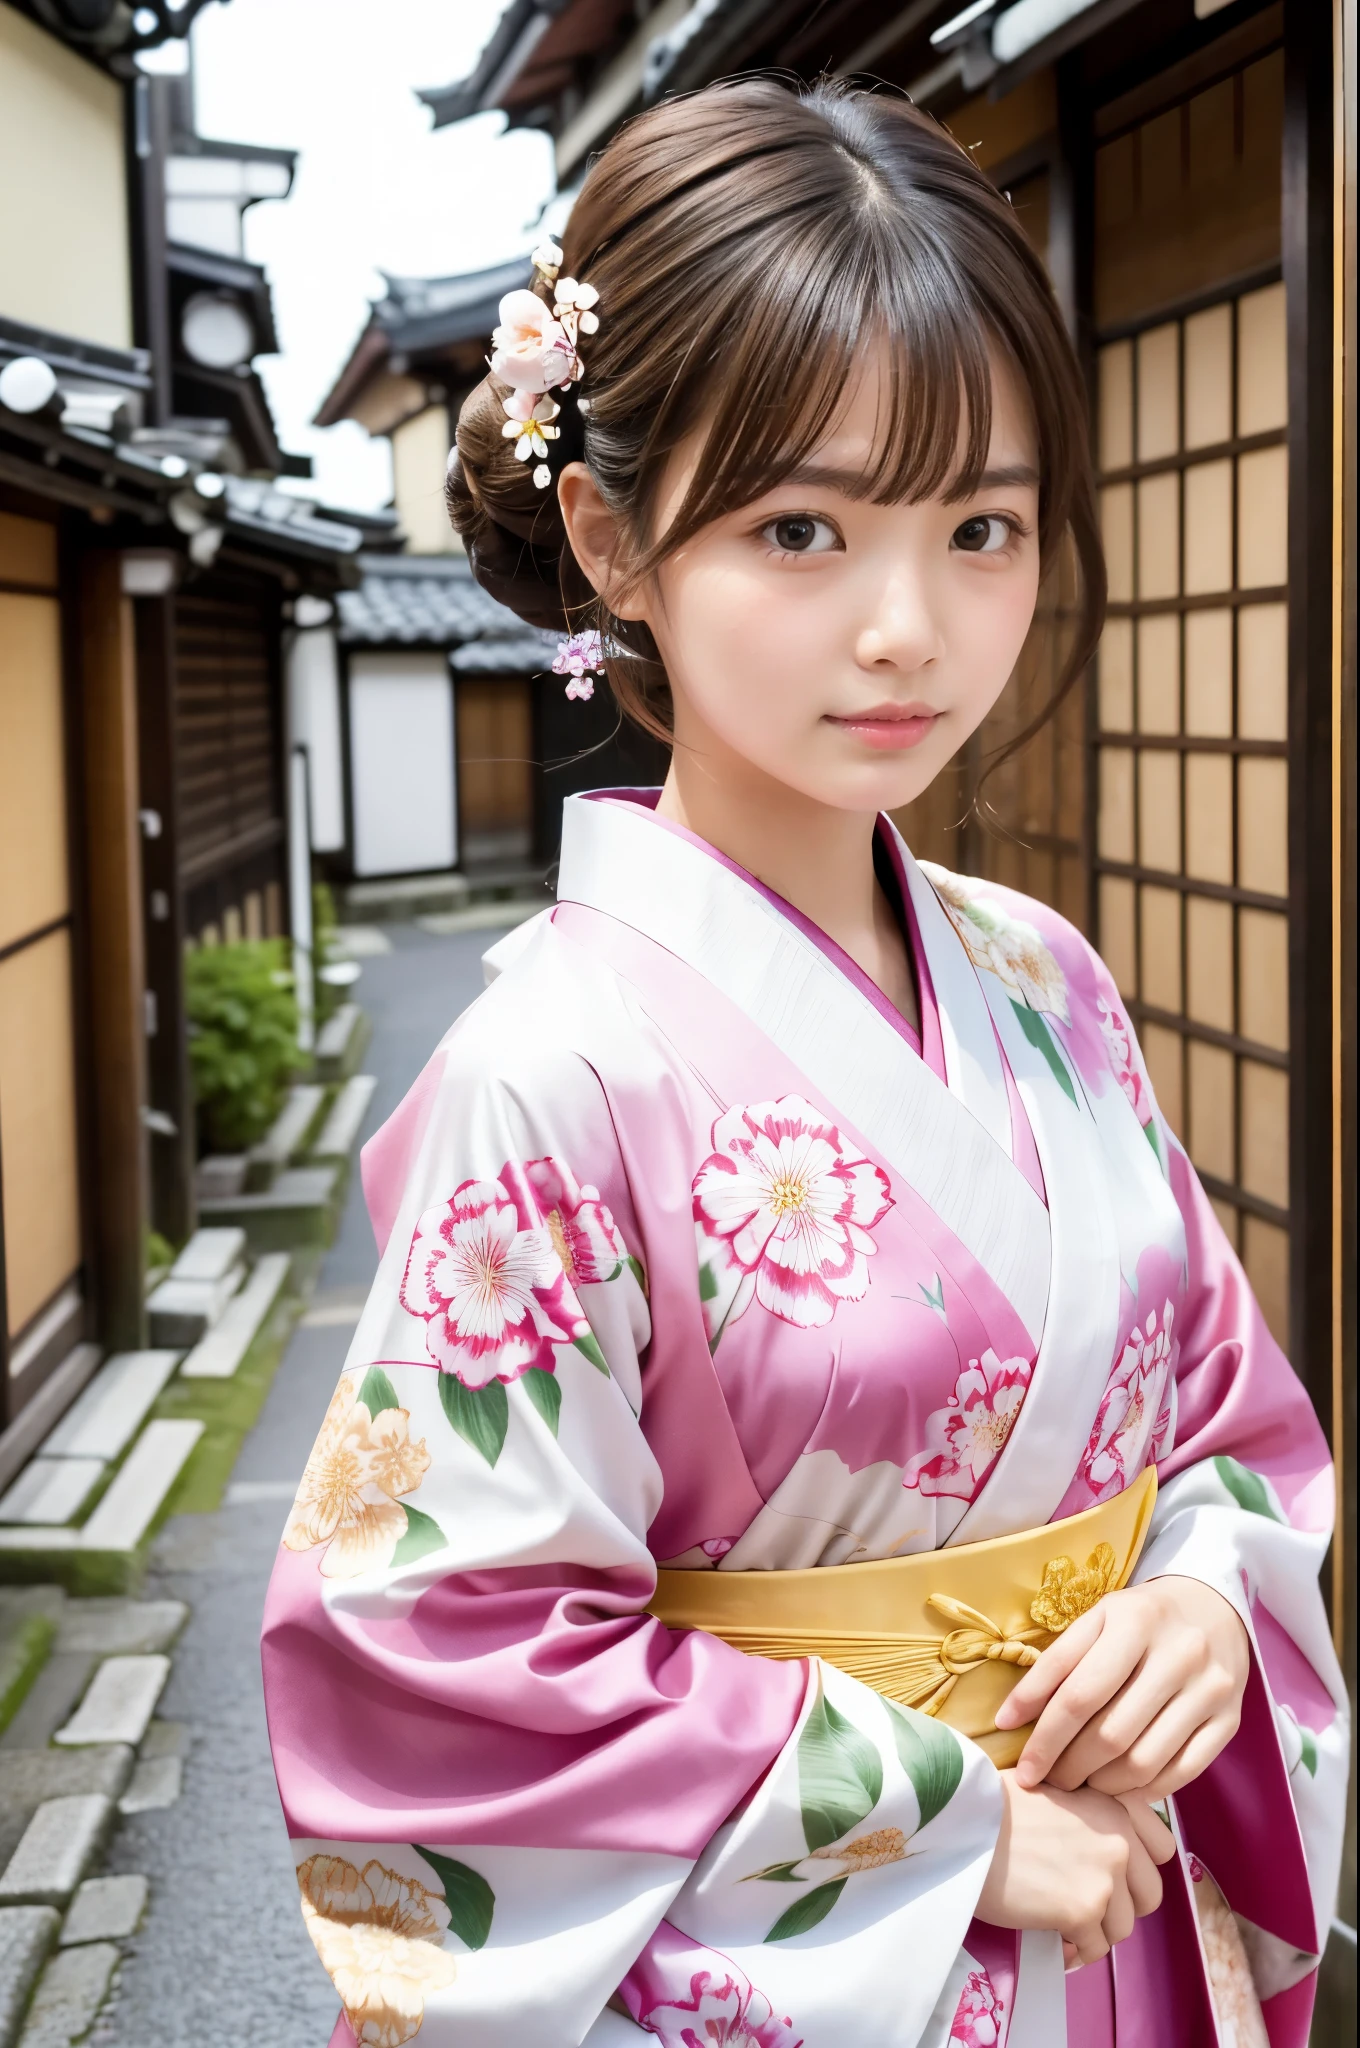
{"x":1118,"y":1039}
{"x":723,"y":2012}
{"x":1135,"y":1423}
{"x":584,"y":1234}
{"x":783,"y":1211}
{"x":491,"y":1286}
{"x":967,"y":1435}
{"x":977,"y":2020}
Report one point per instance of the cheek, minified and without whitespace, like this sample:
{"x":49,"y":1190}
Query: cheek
{"x":992,"y":614}
{"x":743,"y":652}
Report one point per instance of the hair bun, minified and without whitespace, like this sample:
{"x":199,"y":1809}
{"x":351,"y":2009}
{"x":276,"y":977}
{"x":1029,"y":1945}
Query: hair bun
{"x":513,"y":531}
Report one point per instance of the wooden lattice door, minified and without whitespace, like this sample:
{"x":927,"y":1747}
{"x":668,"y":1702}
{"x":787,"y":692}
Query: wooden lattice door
{"x":1192,"y":818}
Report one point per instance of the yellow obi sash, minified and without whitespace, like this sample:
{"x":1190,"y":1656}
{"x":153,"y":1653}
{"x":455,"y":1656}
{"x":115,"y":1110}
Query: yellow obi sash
{"x":947,"y":1631}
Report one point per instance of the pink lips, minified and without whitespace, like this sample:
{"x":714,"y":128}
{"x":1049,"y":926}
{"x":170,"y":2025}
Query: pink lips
{"x":889,"y":728}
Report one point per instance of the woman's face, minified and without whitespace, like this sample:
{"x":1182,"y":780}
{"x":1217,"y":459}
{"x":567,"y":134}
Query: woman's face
{"x":843,"y":648}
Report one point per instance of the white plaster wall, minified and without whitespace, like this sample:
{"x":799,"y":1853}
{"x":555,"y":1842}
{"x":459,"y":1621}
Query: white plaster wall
{"x":64,"y":259}
{"x":402,"y":764}
{"x":314,"y":723}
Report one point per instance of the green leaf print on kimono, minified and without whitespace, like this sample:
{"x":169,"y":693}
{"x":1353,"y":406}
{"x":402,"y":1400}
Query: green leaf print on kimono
{"x":783,"y":1215}
{"x":1015,"y":953}
{"x":840,"y":1782}
{"x":493,"y":1272}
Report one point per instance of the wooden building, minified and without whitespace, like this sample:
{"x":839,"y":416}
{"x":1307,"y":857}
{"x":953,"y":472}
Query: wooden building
{"x":148,"y":564}
{"x":427,"y":674}
{"x":1187,"y":168}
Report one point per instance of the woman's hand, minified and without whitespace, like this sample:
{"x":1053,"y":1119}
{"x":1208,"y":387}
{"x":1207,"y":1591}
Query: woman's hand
{"x":1139,"y":1695}
{"x":1078,"y":1863}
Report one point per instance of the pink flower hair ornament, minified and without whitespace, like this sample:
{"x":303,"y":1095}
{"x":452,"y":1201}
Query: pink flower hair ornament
{"x":580,"y":657}
{"x":535,"y":349}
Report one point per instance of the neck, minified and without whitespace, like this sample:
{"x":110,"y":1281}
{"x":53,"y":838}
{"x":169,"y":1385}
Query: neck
{"x":816,"y":857}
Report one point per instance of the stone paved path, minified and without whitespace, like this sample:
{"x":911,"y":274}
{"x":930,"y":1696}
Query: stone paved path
{"x":222,"y":1959}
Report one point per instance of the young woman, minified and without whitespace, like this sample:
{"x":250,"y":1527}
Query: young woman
{"x":814,"y":1542}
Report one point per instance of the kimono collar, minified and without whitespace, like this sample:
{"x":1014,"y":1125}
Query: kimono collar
{"x":951,"y":1143}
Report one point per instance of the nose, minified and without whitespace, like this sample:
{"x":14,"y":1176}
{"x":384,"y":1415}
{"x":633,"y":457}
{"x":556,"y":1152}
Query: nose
{"x":900,"y":631}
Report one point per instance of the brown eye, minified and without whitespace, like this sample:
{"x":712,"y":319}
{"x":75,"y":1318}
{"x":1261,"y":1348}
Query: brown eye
{"x":800,"y":534}
{"x":984,"y":535}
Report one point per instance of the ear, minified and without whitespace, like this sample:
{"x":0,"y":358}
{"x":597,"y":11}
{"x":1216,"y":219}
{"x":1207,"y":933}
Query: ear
{"x":593,"y":535}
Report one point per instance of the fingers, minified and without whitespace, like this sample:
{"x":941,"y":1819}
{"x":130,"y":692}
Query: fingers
{"x":1089,"y":1943}
{"x":1143,"y":1878}
{"x":1162,"y":1751}
{"x":1099,"y":1675}
{"x":1111,"y":1734}
{"x":1058,"y":1661}
{"x":1196,"y":1757}
{"x":1151,"y":1830}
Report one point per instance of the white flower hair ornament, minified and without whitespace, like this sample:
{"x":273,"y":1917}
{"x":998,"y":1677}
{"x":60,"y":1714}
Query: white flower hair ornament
{"x":535,"y":350}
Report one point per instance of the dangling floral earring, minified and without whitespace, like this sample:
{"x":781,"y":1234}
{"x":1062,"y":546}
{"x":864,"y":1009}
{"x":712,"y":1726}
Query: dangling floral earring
{"x":580,"y":656}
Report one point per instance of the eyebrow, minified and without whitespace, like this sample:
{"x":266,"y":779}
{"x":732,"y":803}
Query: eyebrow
{"x":852,"y":484}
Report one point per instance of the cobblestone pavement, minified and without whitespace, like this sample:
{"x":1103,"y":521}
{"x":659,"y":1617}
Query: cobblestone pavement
{"x":222,"y":1959}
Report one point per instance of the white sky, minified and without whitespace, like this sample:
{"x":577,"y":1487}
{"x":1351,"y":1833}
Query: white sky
{"x":375,"y":188}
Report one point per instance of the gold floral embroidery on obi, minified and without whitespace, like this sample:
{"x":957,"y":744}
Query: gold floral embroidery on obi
{"x":378,"y":1935}
{"x":1067,"y":1593}
{"x":930,"y":1668}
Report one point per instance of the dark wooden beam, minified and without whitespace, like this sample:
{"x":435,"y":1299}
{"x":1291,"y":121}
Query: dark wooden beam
{"x":1306,"y":224}
{"x":169,"y":1088}
{"x":114,"y":949}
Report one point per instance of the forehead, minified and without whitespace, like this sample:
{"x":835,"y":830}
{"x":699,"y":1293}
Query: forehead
{"x":868,"y":421}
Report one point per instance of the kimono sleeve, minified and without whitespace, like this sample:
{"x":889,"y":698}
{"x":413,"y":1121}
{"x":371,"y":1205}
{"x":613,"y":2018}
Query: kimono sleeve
{"x":498,"y":1771}
{"x":1245,"y":1504}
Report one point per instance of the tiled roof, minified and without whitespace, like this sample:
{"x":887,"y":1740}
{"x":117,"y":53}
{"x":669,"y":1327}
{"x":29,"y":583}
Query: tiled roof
{"x":435,"y":601}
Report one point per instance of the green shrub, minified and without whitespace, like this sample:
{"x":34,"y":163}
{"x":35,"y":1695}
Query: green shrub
{"x":243,"y":1048}
{"x":159,"y":1251}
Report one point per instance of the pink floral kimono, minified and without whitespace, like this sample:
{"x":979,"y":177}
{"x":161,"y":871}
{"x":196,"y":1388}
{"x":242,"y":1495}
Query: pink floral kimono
{"x":692,"y":1255}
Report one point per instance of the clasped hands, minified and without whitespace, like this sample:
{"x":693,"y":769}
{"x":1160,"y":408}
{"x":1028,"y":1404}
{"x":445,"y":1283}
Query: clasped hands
{"x":1131,"y":1702}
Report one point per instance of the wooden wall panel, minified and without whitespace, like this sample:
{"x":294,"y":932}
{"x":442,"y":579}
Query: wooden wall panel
{"x":38,"y":1142}
{"x":34,"y":884}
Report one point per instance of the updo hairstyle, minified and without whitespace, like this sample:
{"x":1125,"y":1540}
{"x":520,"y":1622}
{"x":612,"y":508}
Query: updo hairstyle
{"x":748,"y":244}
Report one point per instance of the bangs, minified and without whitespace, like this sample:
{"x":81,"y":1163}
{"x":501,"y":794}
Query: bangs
{"x":788,"y":356}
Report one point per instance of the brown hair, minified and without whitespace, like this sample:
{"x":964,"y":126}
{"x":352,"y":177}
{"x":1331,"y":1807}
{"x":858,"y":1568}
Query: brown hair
{"x":746,"y":242}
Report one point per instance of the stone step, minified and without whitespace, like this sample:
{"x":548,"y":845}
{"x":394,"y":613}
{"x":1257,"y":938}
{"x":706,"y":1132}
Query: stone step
{"x":210,"y":1255}
{"x":120,"y":1628}
{"x":286,"y":1137}
{"x":28,"y":1777}
{"x":119,"y":1704}
{"x":70,"y":1992}
{"x":106,"y":1417}
{"x":341,"y":1043}
{"x":156,"y":1782}
{"x":347,"y":1112}
{"x":105,"y":1909}
{"x":182,"y":1311}
{"x":27,"y":1933}
{"x":51,"y":1490}
{"x":56,"y":1849}
{"x":140,"y":1486}
{"x":221,"y":1351}
{"x":299,"y":1209}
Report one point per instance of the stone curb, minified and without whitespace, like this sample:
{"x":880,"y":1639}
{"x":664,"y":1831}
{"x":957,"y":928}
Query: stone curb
{"x":56,"y":1849}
